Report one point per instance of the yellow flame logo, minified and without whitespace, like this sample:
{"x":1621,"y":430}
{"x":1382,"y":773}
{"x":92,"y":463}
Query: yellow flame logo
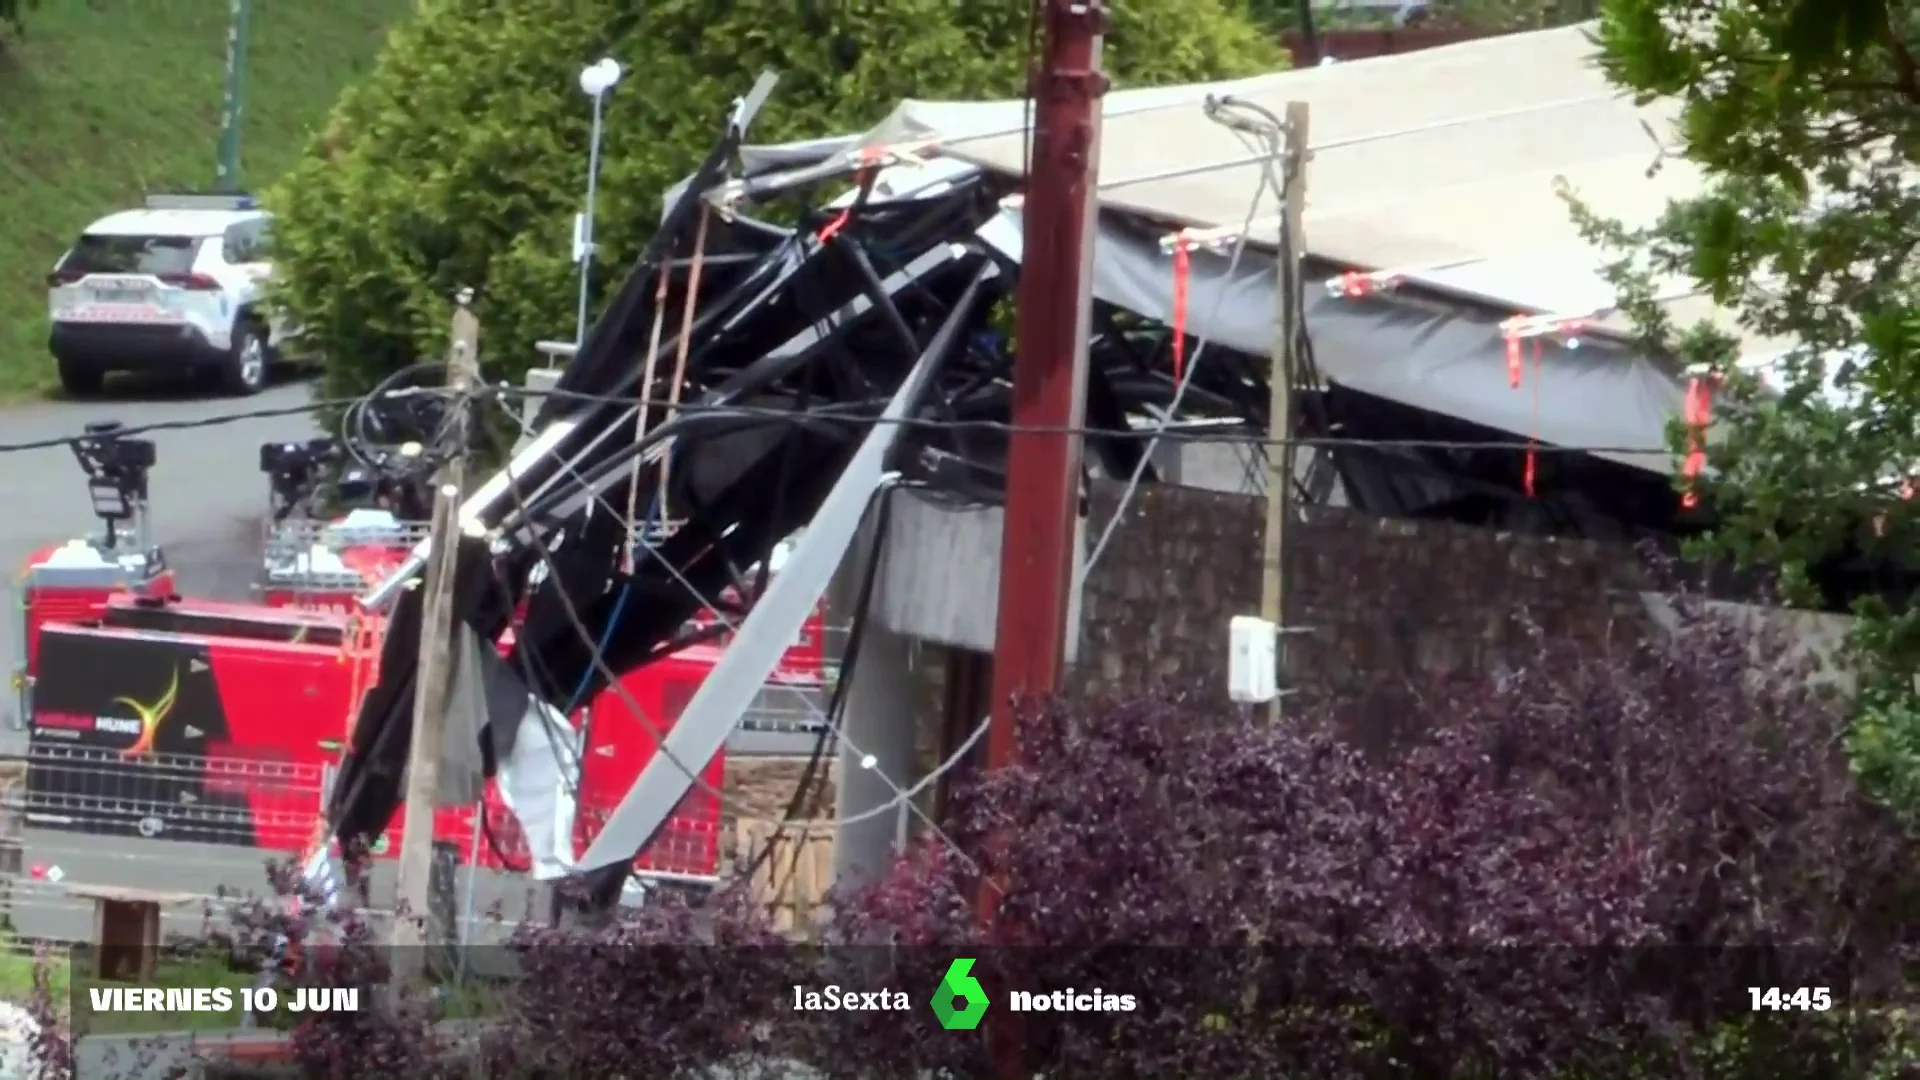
{"x":150,"y":716}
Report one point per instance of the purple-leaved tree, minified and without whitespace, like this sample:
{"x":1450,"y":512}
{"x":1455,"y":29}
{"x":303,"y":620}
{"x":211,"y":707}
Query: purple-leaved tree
{"x":1576,"y":869}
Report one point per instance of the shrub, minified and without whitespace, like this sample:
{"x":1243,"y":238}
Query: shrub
{"x":1574,"y":870}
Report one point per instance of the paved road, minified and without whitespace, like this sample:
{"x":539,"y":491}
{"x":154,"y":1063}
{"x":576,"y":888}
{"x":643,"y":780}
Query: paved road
{"x":208,"y":495}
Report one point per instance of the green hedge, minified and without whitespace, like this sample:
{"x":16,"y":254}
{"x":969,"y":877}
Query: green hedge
{"x":460,"y":160}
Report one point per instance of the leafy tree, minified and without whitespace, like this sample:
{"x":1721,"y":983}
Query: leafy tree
{"x":461,"y":158}
{"x":1805,"y":117}
{"x":13,"y":14}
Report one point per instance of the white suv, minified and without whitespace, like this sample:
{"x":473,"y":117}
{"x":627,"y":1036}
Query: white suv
{"x":175,"y":287}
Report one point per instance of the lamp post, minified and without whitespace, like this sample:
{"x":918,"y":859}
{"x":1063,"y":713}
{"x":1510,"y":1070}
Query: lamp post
{"x":226,"y":169}
{"x":596,"y":81}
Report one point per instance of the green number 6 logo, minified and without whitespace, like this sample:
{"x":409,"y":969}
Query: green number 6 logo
{"x":960,"y":1002}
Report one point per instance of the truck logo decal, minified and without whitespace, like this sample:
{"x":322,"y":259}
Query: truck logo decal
{"x":151,"y":717}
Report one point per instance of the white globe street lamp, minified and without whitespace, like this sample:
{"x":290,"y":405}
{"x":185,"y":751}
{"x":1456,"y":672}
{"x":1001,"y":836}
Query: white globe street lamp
{"x":599,"y":77}
{"x":596,"y":81}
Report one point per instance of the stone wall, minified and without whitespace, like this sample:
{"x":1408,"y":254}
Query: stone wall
{"x":761,"y":787}
{"x":1379,"y":599}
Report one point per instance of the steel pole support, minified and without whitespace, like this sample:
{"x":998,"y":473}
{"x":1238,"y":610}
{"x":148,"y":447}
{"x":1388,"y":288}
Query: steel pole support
{"x":1049,"y":394}
{"x":1049,"y":376}
{"x":226,"y":159}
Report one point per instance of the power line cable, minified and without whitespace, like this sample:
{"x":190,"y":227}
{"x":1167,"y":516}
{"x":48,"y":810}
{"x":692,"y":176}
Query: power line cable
{"x":61,"y":442}
{"x":901,"y":796}
{"x":1186,"y":377}
{"x":882,"y":503}
{"x":1163,"y":430}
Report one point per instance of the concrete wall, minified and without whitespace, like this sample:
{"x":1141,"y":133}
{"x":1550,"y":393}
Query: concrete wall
{"x":940,"y":573}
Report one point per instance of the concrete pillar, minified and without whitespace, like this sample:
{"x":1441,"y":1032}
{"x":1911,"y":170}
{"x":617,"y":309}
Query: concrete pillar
{"x":881,"y":709}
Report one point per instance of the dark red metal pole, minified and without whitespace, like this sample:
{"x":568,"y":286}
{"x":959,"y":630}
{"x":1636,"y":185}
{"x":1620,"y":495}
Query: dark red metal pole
{"x":1049,"y":374}
{"x":1049,"y":391}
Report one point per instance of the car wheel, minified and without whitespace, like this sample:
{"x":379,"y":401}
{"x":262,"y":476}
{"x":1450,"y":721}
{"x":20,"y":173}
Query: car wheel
{"x":80,"y":381}
{"x":246,"y":367}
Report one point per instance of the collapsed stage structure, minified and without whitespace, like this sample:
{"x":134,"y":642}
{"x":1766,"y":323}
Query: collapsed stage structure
{"x":791,"y":373}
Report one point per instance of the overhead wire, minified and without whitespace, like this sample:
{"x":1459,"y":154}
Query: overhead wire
{"x":682,"y":343}
{"x":1165,"y":430}
{"x":808,"y":787}
{"x":1185,"y":377}
{"x":901,"y":796}
{"x":640,"y":414}
{"x":1161,"y":429}
{"x":357,"y":434}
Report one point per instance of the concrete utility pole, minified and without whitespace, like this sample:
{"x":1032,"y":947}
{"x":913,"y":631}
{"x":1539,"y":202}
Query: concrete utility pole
{"x":1288,"y":301}
{"x":433,"y":684}
{"x":1049,"y":373}
{"x":226,"y":162}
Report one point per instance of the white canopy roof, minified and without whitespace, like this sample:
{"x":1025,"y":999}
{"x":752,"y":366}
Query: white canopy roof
{"x":1445,"y":166}
{"x":1447,"y":161}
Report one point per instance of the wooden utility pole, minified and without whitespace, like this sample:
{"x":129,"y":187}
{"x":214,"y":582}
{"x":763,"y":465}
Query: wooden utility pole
{"x":1288,"y":299}
{"x":433,"y":684}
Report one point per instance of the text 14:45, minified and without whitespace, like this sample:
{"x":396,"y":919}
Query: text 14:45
{"x":1816,"y":998}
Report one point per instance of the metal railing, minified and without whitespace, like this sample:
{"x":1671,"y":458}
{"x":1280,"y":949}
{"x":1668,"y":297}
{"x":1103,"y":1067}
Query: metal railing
{"x":203,"y":829}
{"x":313,"y":554}
{"x":216,"y":800}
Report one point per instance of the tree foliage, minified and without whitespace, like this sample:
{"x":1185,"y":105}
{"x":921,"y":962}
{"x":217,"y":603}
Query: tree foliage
{"x":462,"y":157}
{"x":1576,"y":871}
{"x":13,"y":14}
{"x":1805,"y":118}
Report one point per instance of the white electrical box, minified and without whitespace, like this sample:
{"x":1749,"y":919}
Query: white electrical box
{"x":1253,"y":660}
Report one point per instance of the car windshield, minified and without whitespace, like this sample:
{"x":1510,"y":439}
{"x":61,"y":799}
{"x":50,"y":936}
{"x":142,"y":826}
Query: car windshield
{"x":131,"y":255}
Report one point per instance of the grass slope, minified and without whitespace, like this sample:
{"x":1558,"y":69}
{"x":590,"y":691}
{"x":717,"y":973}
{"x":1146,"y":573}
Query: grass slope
{"x":105,"y":100}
